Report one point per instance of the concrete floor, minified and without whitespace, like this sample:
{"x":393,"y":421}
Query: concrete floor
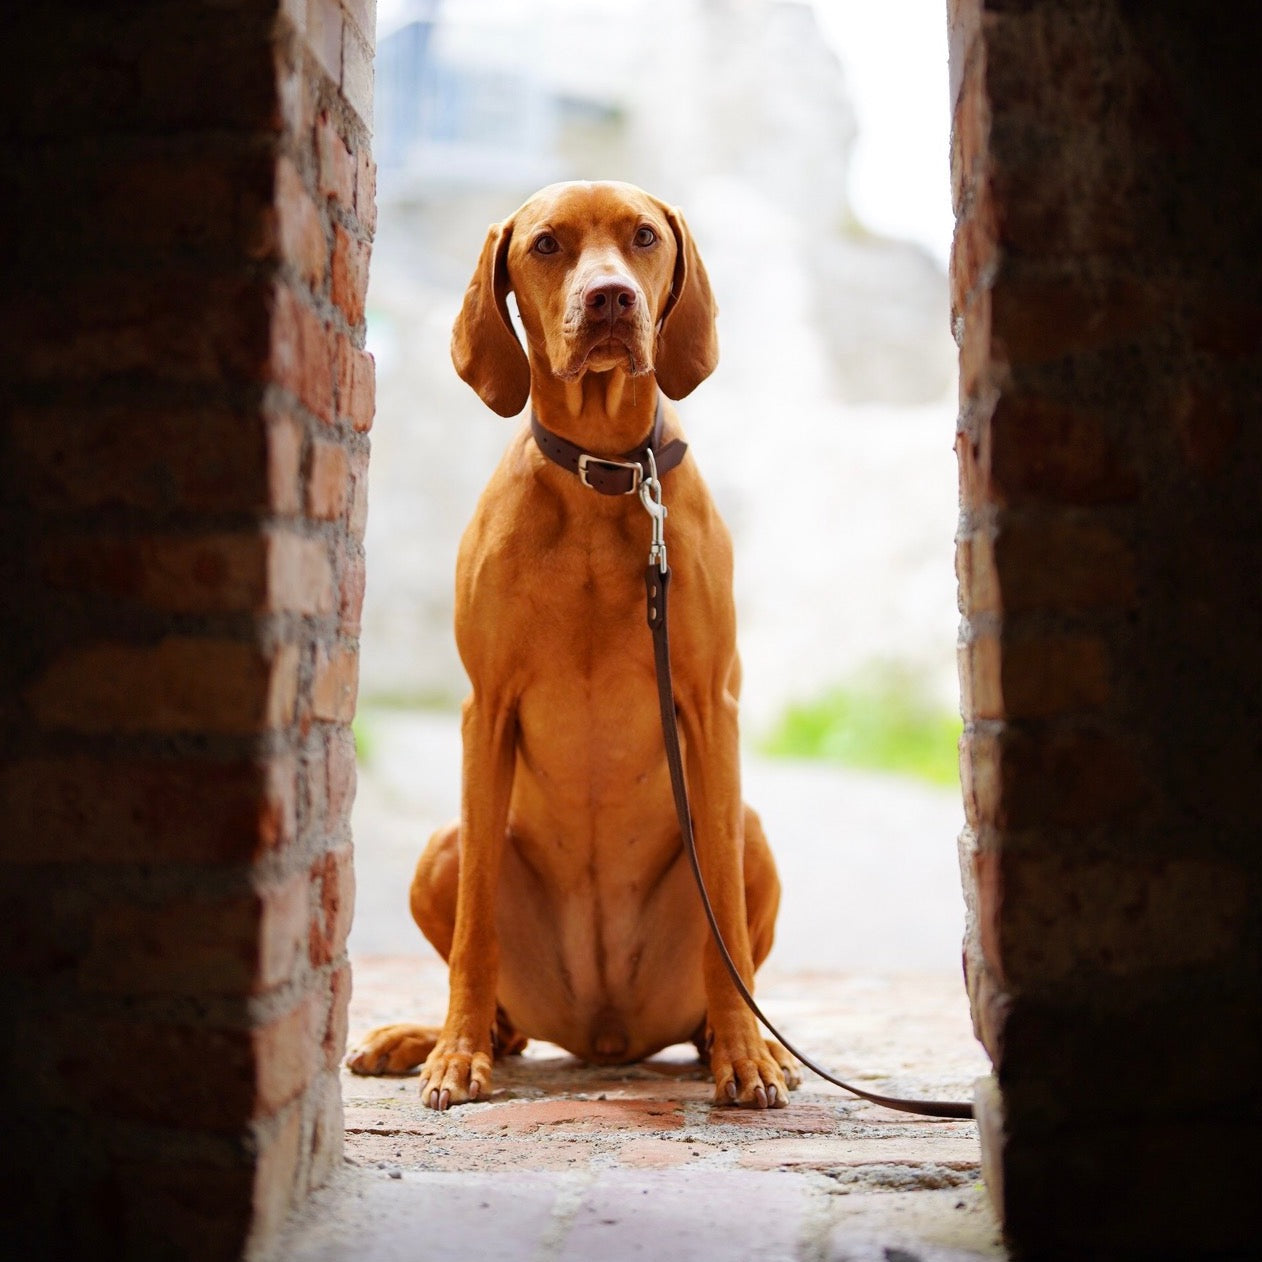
{"x":567,"y":1161}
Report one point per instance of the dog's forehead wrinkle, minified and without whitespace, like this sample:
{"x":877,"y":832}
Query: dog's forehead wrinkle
{"x":590,"y":205}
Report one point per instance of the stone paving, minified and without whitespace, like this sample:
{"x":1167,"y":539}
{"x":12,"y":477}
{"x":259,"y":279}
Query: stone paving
{"x":568,"y":1161}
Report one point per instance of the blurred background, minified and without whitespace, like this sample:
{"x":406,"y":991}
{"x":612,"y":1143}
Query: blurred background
{"x":807,"y":145}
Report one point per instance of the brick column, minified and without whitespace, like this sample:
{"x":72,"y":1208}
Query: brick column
{"x":1107,"y":300}
{"x":183,"y":454}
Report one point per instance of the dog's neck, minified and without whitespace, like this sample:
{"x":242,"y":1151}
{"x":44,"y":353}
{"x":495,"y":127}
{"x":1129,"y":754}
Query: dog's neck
{"x":606,"y":413}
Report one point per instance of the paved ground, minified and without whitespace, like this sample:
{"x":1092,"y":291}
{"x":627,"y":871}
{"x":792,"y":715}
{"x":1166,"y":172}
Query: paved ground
{"x":566,"y":1161}
{"x":569,"y":1162}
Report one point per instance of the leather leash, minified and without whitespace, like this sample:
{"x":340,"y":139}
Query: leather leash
{"x":657,"y":587}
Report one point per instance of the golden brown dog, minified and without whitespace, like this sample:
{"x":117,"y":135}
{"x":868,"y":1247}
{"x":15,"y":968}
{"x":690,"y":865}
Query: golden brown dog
{"x":562,"y":899}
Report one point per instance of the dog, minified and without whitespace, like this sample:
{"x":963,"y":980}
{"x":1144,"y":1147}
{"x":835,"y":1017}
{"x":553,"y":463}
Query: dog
{"x":562,"y":899}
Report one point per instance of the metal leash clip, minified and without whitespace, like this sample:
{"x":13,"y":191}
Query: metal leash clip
{"x":651,"y":498}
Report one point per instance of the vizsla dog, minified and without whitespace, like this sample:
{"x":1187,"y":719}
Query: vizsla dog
{"x":561,"y":899}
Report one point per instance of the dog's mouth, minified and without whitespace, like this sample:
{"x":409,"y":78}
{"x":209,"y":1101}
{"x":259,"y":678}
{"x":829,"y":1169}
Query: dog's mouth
{"x":604,"y":347}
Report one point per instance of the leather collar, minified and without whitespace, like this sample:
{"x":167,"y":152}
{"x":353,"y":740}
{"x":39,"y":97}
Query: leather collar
{"x":617,"y":475}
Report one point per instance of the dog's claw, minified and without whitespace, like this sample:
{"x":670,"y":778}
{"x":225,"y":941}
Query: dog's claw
{"x":749,"y":1075}
{"x":444,"y":1101}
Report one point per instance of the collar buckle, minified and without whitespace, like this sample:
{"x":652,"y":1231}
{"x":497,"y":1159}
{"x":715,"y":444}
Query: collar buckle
{"x":586,"y":460}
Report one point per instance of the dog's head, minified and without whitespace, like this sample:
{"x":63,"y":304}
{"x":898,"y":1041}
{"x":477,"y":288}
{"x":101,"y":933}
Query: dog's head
{"x":606,"y":277}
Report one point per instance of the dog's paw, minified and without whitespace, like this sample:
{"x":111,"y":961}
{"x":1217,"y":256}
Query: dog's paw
{"x":787,"y":1062}
{"x":455,"y":1073}
{"x":392,"y":1049}
{"x":747,"y":1073}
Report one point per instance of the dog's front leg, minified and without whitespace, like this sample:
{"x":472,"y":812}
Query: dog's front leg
{"x":459,"y":1067}
{"x":745,"y":1072}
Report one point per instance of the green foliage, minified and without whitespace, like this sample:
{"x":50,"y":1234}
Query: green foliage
{"x":365,"y":741}
{"x":883,"y":721}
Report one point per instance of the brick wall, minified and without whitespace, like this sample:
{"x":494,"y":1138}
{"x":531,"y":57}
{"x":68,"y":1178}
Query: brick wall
{"x":183,"y":451}
{"x":1107,"y":299}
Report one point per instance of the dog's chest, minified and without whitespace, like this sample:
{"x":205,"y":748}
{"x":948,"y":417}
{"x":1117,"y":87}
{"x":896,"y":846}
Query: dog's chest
{"x":595,"y":590}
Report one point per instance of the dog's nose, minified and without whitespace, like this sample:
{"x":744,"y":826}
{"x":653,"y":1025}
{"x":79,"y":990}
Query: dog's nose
{"x":609,"y":297}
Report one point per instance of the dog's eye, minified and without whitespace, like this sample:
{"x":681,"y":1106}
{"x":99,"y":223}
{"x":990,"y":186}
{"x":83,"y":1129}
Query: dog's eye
{"x":546,"y":245}
{"x":646,"y":236}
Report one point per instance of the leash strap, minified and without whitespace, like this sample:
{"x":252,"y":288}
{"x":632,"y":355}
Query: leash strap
{"x":657,"y":587}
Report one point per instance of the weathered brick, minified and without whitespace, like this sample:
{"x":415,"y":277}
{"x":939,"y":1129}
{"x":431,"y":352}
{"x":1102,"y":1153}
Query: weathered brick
{"x":234,"y":945}
{"x":302,"y":352}
{"x":1208,"y":426}
{"x":356,"y":389}
{"x":357,"y":521}
{"x":1036,"y":677}
{"x":350,"y":274}
{"x":980,"y":777}
{"x":1045,"y":917}
{"x":974,"y":252}
{"x":284,"y":1056}
{"x":366,"y":190}
{"x":364,"y":15}
{"x":183,"y":1076}
{"x":323,"y":35}
{"x":981,"y":669}
{"x":328,"y":1126}
{"x":333,"y":1040}
{"x":334,"y":685}
{"x":181,"y":683}
{"x":1064,"y":563}
{"x":128,"y":810}
{"x":186,"y":575}
{"x":284,"y":464}
{"x":299,"y":574}
{"x":282,"y":933}
{"x":278,"y":1175}
{"x":1055,"y":674}
{"x":970,"y":121}
{"x":333,"y":900}
{"x":279,"y":810}
{"x":1071,"y":778}
{"x":198,"y":1210}
{"x":975,"y":572}
{"x":336,"y":163}
{"x":87,"y":457}
{"x":974,"y":482}
{"x":295,"y":12}
{"x":328,"y":481}
{"x":198,"y":203}
{"x":211,"y":573}
{"x":1036,"y":450}
{"x":351,"y":593}
{"x":302,"y":234}
{"x":297,"y":92}
{"x":1223,"y":322}
{"x":1036,"y":319}
{"x":973,"y":334}
{"x":109,"y":323}
{"x":357,"y":72}
{"x":340,"y":777}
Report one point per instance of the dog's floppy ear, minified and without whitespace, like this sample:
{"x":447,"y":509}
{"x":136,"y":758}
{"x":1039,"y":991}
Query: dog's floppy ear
{"x":484,"y":347}
{"x":687,"y":340}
